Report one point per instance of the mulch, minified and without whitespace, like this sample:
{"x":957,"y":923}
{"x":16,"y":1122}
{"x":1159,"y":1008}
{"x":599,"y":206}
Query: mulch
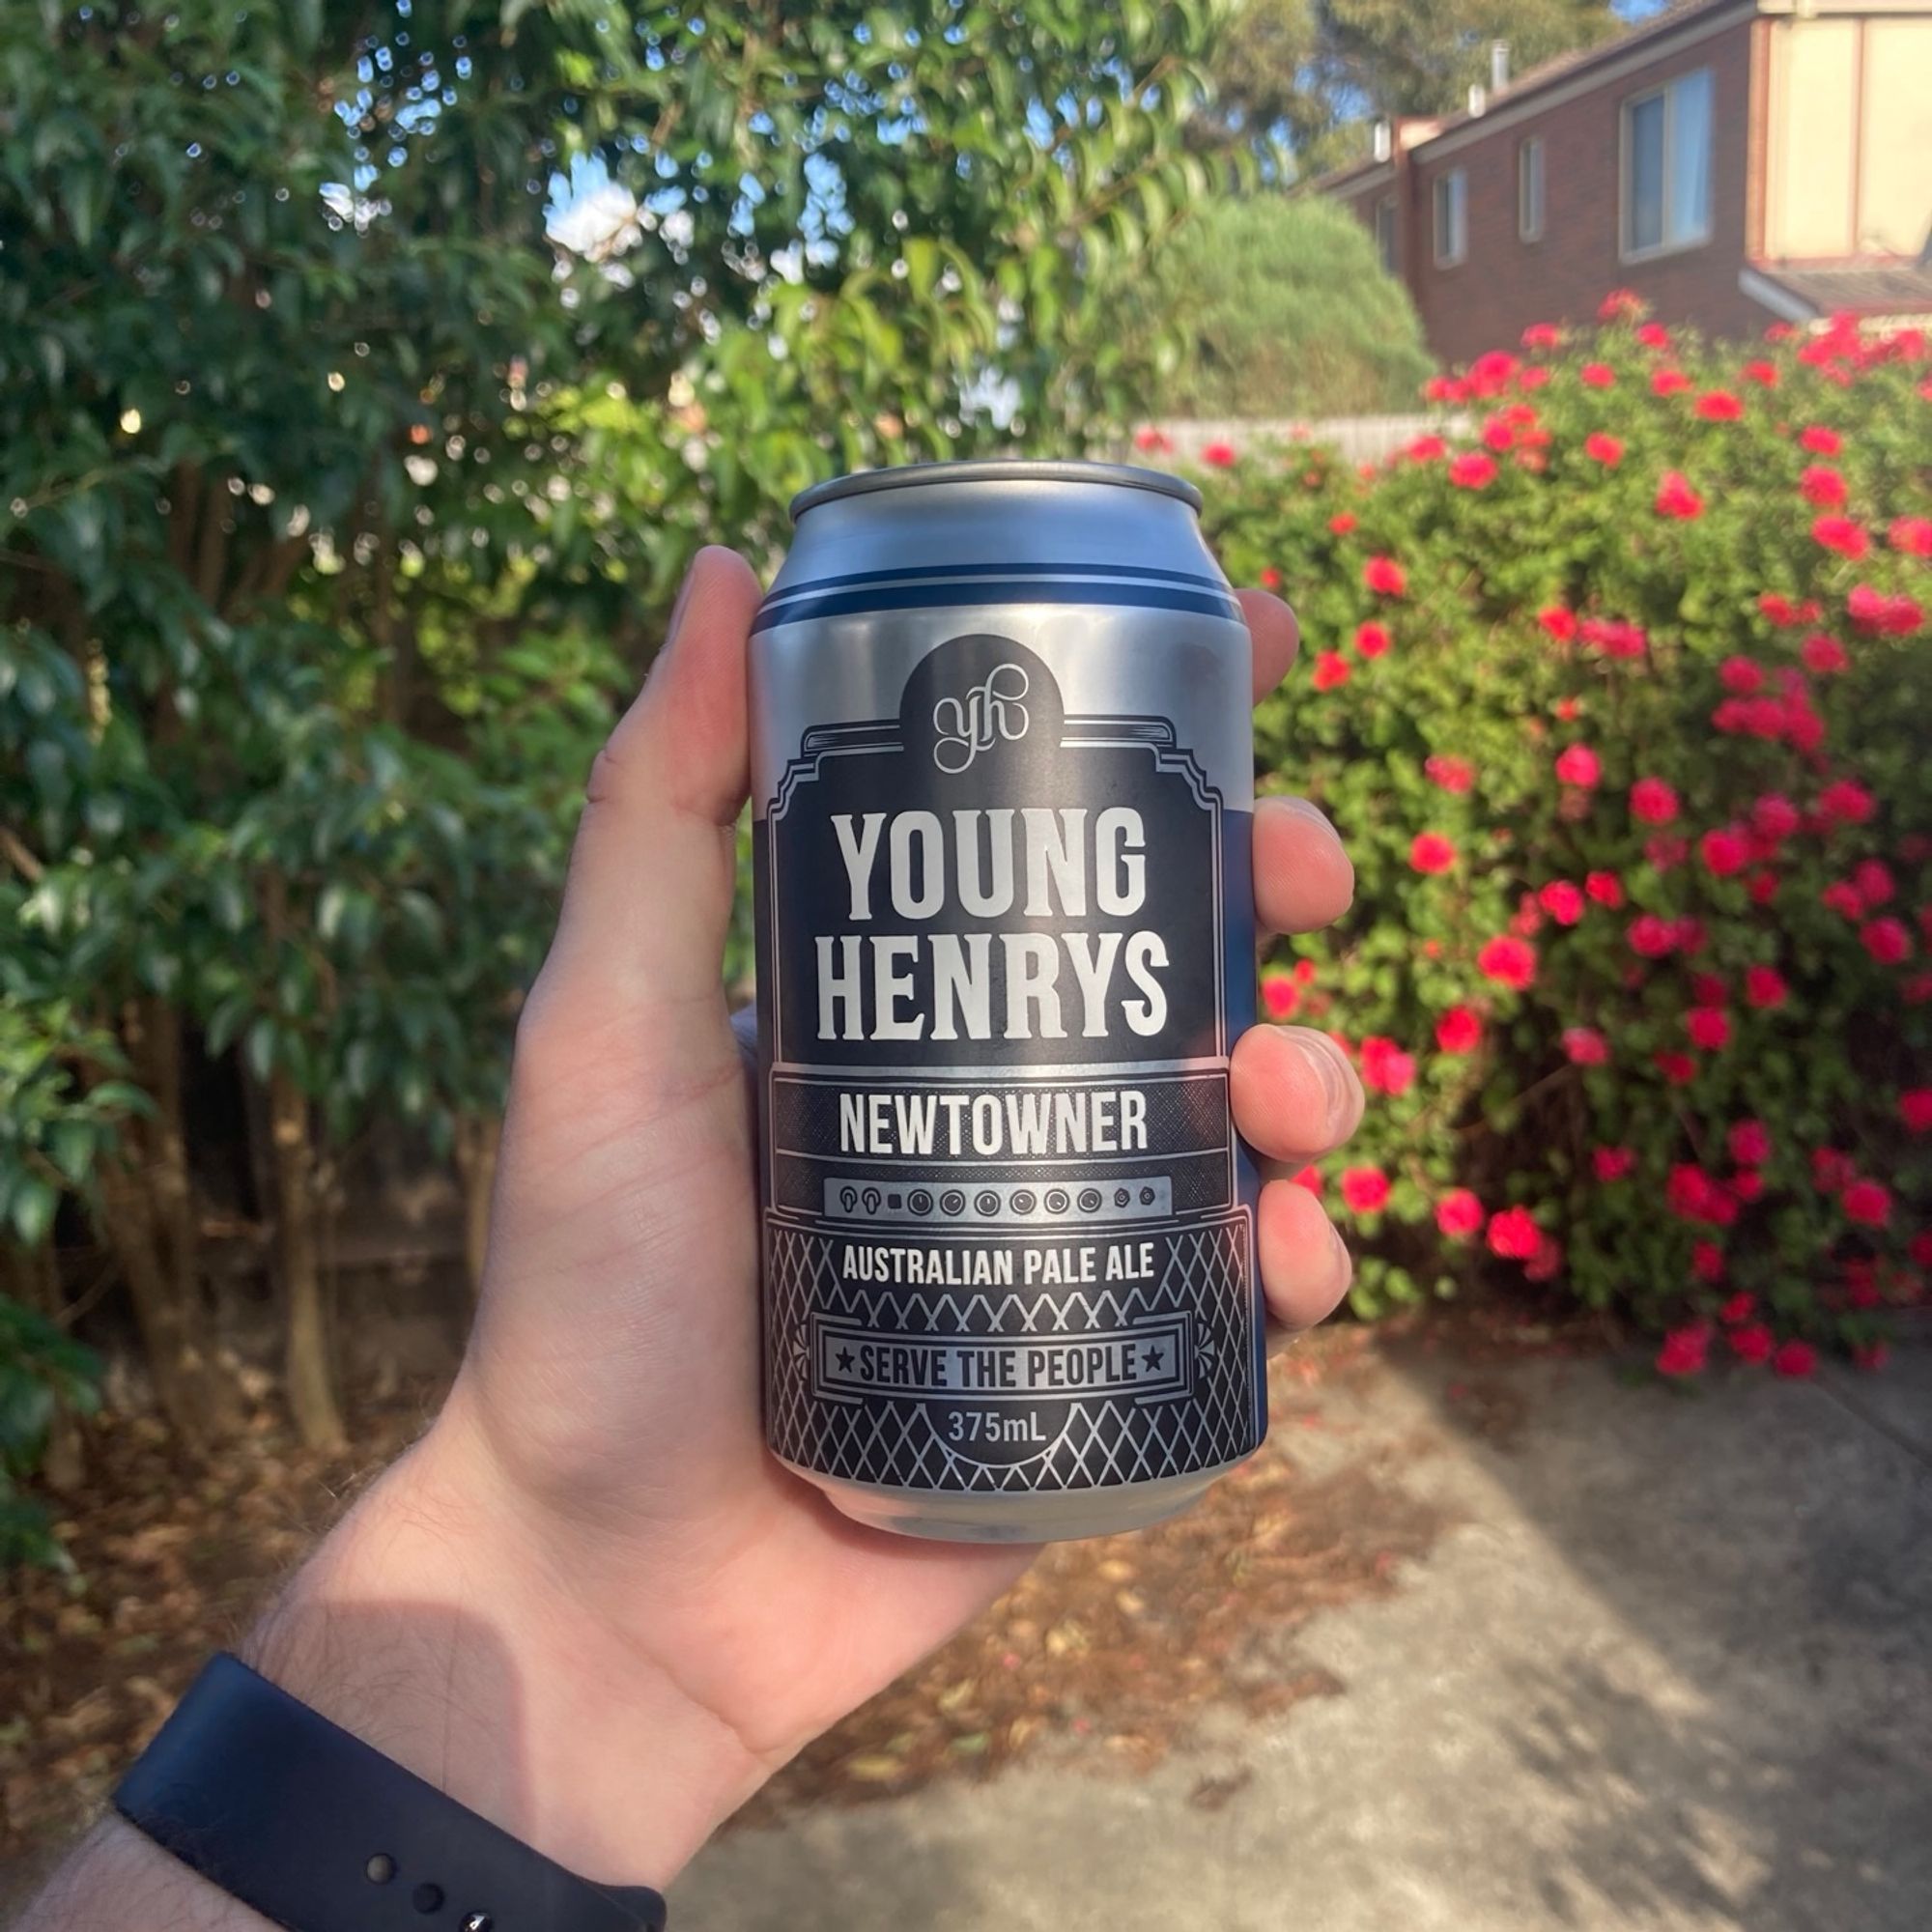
{"x":1114,"y":1651}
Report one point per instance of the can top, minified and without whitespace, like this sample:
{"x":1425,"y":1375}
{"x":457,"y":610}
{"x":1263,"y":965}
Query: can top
{"x":995,"y":469}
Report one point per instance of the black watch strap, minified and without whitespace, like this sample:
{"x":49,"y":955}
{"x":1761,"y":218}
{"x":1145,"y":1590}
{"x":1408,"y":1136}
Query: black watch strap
{"x":321,"y":1833}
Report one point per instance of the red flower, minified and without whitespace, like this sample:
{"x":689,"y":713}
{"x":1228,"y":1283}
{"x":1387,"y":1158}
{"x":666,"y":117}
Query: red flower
{"x":1868,"y":1202}
{"x":1794,"y":1360}
{"x":1723,"y":852}
{"x":1309,"y":1177}
{"x":1459,"y":1214}
{"x":1280,"y":996}
{"x":1331,"y":669}
{"x":1270,"y":577}
{"x":1708,"y":989}
{"x":1578,"y":766}
{"x":1707,"y":1262}
{"x":1365,"y":1189}
{"x":1765,"y":373}
{"x":1679,"y":1069}
{"x":1675,"y":498}
{"x":1653,"y":801}
{"x":1372,"y":640}
{"x":1709,"y":1028}
{"x":1840,"y":534}
{"x":1604,"y":448}
{"x":1585,"y":1046}
{"x":1598,"y":374}
{"x":1511,"y":962}
{"x":1542,"y":335}
{"x":1919,"y":1250}
{"x":1688,"y":1191}
{"x":1774,"y":816}
{"x":1652,"y":937}
{"x":1514,"y":1233}
{"x":1669,"y":383}
{"x":1749,"y":1143}
{"x":1843,"y":897}
{"x":1384,"y":575}
{"x":1683,"y":1351}
{"x":1886,"y":940}
{"x":1820,"y":440}
{"x":1871,"y":609}
{"x":1846,"y":801}
{"x":1149,"y":437}
{"x":1561,"y":624}
{"x":1611,"y":1163}
{"x":1738,"y":1308}
{"x":1911,"y":534}
{"x":1385,"y":1068}
{"x":1220,"y":454}
{"x":1831,"y":1169}
{"x":1568,"y":709}
{"x":1750,"y":1342}
{"x":1762,"y":885}
{"x":1341,"y":521}
{"x":1764,"y":987}
{"x":1452,"y":774}
{"x":1605,"y":888}
{"x":1874,"y":881}
{"x":1742,"y":675}
{"x":1719,"y":406}
{"x":1915,"y":1109}
{"x":1820,"y":484}
{"x":1472,"y":470}
{"x":1431,"y":852}
{"x":1458,"y":1030}
{"x":1824,"y":654}
{"x":1613,"y":638}
{"x":1562,"y":901}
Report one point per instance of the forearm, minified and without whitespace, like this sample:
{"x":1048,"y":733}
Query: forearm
{"x":435,"y":1624}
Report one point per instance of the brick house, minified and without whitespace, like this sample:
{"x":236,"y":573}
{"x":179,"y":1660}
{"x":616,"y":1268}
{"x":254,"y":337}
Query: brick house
{"x":1734,"y":162}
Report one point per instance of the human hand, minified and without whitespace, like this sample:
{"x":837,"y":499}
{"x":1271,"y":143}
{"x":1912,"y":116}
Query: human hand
{"x":590,"y":1603}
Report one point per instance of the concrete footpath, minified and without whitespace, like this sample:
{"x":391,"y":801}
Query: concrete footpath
{"x":1669,"y":1665}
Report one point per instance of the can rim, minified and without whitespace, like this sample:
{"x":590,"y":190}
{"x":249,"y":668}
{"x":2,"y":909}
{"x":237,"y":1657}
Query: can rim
{"x":996,"y":469}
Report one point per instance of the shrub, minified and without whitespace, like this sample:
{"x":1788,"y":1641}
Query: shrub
{"x":1278,"y":309}
{"x":1623,"y":720}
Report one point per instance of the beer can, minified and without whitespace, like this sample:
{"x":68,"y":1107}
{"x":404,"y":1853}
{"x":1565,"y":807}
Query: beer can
{"x":1003,"y":801}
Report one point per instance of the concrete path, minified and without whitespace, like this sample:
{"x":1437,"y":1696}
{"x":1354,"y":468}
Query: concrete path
{"x":1672,"y":1667}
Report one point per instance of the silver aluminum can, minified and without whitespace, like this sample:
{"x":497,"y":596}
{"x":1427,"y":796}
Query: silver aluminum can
{"x":1002,"y":791}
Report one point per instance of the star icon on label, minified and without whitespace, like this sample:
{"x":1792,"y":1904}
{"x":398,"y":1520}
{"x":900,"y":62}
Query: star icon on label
{"x":844,"y":1360}
{"x":1151,"y":1360}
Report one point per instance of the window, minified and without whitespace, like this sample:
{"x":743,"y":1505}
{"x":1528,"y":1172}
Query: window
{"x":1452,"y":217}
{"x":1529,"y":190}
{"x":1385,"y":234}
{"x":1666,"y":166}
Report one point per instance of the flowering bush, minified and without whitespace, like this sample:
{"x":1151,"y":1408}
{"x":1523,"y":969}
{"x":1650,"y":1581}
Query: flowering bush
{"x":1640,"y":969}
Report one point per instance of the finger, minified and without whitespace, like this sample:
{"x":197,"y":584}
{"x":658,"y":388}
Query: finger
{"x":1303,"y":877}
{"x":651,"y":873}
{"x":1276,"y":635}
{"x":1294,"y":1093}
{"x":1306,"y":1264}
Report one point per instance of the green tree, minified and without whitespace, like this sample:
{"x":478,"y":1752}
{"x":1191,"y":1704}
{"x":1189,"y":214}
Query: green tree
{"x":1316,"y":73}
{"x":1277,"y":307}
{"x":367,"y":375}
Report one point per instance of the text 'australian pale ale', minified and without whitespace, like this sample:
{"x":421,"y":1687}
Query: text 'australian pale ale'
{"x":1003,"y":788}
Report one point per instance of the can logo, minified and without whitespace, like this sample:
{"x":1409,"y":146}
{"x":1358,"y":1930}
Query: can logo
{"x":989,"y":712}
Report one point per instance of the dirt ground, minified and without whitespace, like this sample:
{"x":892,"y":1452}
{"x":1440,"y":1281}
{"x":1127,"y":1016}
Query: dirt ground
{"x":1120,"y":1644}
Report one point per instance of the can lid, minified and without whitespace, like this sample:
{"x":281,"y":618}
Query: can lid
{"x":995,"y":469}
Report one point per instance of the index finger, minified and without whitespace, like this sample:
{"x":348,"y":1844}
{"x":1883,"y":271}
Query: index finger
{"x":1276,"y":635}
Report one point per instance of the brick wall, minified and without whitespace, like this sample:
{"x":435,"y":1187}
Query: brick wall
{"x":1504,"y":282}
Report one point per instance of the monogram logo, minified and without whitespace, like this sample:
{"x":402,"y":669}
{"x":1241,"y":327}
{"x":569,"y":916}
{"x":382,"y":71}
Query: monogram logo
{"x":988,"y":712}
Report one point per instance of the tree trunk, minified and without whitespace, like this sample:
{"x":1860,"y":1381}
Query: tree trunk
{"x":32,"y":1279}
{"x":170,"y":1336}
{"x":309,"y":1371}
{"x":478,"y":1140}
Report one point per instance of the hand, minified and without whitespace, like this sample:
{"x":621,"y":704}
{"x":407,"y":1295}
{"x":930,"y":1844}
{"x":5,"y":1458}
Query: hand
{"x":589,"y":1605}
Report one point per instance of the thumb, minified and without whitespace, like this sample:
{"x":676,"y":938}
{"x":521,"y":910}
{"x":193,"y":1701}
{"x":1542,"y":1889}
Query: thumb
{"x":642,"y":933}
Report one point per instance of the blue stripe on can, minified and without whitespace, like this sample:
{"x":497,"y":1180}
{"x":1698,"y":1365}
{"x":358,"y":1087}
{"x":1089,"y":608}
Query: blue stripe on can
{"x":1010,"y":590}
{"x":927,"y":572}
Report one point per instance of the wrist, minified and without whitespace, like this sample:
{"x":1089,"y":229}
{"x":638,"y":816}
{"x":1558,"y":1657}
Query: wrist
{"x":439,"y":1622}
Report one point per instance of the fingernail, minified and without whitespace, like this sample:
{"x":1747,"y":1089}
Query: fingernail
{"x":1304,"y":808}
{"x":683,"y":598}
{"x":1344,"y":1262}
{"x":1337,"y":1088}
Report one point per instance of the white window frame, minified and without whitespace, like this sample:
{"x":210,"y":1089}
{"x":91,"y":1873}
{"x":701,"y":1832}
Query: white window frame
{"x":1451,"y":187}
{"x":1666,"y":92}
{"x":1530,"y":174}
{"x":1387,"y":249}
